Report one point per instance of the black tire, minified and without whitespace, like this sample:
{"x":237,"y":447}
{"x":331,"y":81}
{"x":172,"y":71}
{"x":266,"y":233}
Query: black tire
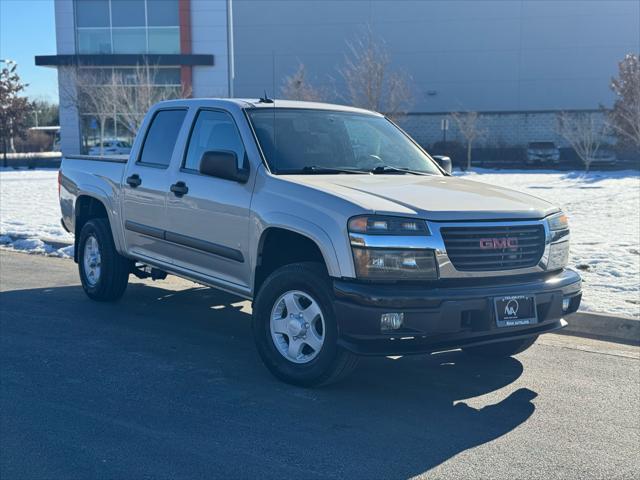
{"x":332,"y":362}
{"x":114,"y":268}
{"x":501,"y":349}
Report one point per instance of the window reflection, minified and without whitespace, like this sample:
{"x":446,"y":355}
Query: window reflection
{"x":127,"y":26}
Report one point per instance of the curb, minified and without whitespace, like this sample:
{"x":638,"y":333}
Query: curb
{"x":55,"y":243}
{"x":603,"y":327}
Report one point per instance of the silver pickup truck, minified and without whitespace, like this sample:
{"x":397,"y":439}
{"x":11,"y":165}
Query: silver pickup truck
{"x":348,"y":237}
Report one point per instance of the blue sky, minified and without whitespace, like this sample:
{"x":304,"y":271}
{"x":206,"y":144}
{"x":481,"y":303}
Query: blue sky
{"x":27,"y":29}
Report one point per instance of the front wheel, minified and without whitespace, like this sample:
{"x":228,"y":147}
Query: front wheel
{"x":104,"y":273}
{"x":501,"y":349}
{"x":295,"y":327}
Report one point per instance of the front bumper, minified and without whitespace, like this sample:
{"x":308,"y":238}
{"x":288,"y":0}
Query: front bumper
{"x":450,"y":315}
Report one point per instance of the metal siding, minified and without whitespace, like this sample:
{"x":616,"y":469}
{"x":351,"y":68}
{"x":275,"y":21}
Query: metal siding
{"x":476,"y":55}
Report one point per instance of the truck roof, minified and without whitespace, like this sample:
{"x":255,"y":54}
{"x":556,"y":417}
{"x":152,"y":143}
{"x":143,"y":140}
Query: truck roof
{"x":256,"y":103}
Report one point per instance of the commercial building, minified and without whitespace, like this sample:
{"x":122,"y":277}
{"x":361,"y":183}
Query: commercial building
{"x":518,"y":62}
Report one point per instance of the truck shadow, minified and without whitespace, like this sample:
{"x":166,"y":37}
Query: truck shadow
{"x":173,"y":376}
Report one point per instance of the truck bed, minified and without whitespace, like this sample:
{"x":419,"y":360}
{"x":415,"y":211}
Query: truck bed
{"x":97,"y":176}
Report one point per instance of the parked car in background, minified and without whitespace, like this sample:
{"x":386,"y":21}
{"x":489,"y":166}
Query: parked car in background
{"x":543,"y":153}
{"x":347,"y":237}
{"x":111,"y":147}
{"x":604,"y":156}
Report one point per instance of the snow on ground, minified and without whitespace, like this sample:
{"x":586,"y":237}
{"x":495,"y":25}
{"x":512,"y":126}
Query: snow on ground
{"x":603,"y":209}
{"x":30,"y":213}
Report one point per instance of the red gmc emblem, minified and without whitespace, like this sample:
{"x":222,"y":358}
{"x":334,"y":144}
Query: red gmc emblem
{"x":498,"y":243}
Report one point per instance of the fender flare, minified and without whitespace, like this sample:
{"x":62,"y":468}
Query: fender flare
{"x":97,"y":193}
{"x":301,"y":226}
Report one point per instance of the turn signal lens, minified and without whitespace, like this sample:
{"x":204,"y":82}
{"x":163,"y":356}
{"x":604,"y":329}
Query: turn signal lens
{"x":559,"y":221}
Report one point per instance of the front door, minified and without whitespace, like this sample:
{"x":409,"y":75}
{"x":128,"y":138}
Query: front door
{"x":207,"y":217}
{"x":146,"y":185}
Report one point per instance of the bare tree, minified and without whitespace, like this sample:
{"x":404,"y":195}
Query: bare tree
{"x":136,"y":92}
{"x":86,"y":91}
{"x":585,"y":132}
{"x":625,"y":115}
{"x":14,"y":109}
{"x":297,"y":87}
{"x":370,"y":82}
{"x":469,"y":126}
{"x":106,"y":95}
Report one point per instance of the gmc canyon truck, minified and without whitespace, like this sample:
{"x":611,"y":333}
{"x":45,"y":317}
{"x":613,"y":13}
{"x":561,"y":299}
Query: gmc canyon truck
{"x":348,"y":237}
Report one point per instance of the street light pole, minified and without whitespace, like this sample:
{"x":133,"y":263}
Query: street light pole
{"x":231,"y":66}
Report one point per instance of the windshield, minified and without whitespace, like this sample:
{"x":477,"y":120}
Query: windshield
{"x":322,"y":141}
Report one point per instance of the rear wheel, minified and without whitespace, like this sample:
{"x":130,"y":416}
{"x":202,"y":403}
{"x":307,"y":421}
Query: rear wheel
{"x":295,"y":327}
{"x":104,"y":273}
{"x":501,"y":349}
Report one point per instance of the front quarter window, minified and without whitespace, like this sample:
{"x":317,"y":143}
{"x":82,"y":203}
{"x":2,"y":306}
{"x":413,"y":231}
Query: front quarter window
{"x":298,"y":141}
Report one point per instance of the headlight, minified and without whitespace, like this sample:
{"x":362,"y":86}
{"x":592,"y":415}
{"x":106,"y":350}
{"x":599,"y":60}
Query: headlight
{"x":559,"y":221}
{"x":401,"y":258}
{"x":385,"y":225}
{"x":392,"y":264}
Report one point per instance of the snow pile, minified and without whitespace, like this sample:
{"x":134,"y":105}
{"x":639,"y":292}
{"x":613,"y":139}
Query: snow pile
{"x":605,"y":228}
{"x":602,"y":206}
{"x":30,"y":213}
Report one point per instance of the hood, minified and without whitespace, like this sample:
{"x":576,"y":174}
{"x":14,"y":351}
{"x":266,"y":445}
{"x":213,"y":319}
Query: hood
{"x":436,"y":198}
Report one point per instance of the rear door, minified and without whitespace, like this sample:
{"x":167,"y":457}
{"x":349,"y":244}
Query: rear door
{"x":208,"y":225}
{"x":146,"y":184}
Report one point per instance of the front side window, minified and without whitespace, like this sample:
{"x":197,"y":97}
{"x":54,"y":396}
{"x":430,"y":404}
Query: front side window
{"x":300,"y":141}
{"x":161,"y":137}
{"x":213,"y":130}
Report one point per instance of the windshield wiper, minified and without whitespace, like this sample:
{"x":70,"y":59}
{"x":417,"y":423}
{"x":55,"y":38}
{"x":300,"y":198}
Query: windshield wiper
{"x":329,"y":170}
{"x":380,"y":169}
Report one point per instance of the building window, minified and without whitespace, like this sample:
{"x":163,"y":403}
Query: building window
{"x":127,"y":26}
{"x":94,"y":40}
{"x":164,"y":40}
{"x":164,"y":82}
{"x":129,"y":40}
{"x":92,"y":13}
{"x":128,"y":13}
{"x":162,"y":13}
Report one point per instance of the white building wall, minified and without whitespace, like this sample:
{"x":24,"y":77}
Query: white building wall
{"x":518,"y":61}
{"x":209,"y":36}
{"x":66,"y":45}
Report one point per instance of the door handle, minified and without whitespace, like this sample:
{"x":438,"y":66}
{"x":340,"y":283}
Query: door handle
{"x":179,"y":189}
{"x":134,"y":180}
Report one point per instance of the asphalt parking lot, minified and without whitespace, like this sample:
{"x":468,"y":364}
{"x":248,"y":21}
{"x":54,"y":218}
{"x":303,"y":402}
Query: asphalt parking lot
{"x":167,"y":384}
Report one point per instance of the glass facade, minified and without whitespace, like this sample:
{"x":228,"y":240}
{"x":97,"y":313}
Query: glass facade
{"x":127,"y":26}
{"x":116,"y":127}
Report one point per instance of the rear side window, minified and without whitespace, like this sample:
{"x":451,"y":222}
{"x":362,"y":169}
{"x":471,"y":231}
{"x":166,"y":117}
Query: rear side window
{"x":213,"y":130}
{"x":161,"y":137}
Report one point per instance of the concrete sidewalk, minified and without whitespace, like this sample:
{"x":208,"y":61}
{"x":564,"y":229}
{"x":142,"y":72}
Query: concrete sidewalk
{"x":603,"y":327}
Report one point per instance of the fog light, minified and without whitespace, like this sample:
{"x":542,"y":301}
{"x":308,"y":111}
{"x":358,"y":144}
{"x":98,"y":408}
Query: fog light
{"x":391,"y":321}
{"x":566,"y":303}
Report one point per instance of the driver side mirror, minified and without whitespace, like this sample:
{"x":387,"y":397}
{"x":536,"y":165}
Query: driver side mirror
{"x":223,"y":164}
{"x":444,"y":162}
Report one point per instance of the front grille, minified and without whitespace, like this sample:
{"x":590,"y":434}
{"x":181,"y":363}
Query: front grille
{"x":481,"y":248}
